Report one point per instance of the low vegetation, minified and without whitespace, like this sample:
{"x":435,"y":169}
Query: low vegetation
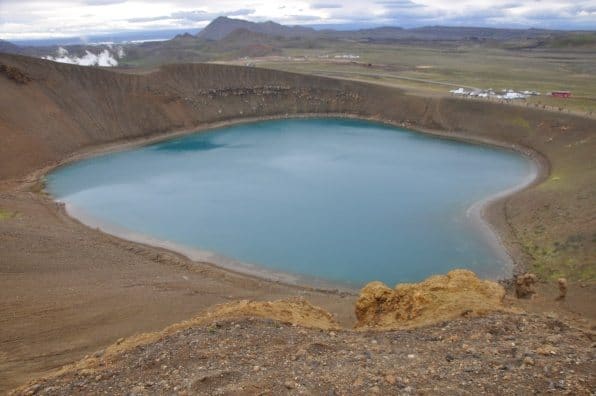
{"x":5,"y":214}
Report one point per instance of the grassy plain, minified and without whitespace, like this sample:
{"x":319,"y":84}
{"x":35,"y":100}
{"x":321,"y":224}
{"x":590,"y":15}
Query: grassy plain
{"x":437,"y":69}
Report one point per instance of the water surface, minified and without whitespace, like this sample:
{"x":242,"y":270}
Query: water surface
{"x":344,"y":200}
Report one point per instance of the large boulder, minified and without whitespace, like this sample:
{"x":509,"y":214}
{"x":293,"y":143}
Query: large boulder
{"x":438,"y":298}
{"x":524,"y":285}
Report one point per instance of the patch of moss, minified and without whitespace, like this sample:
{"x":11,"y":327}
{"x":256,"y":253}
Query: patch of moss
{"x":557,"y":182}
{"x":587,"y":272}
{"x":521,"y":122}
{"x":5,"y":214}
{"x":553,"y":263}
{"x":550,"y":260}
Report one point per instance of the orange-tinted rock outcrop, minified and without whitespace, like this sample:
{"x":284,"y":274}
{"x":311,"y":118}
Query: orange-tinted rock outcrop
{"x":438,"y":298}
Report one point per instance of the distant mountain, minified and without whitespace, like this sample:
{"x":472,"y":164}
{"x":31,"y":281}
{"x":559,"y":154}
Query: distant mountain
{"x":226,"y":39}
{"x":223,"y":26}
{"x":9,"y":48}
{"x":481,"y":33}
{"x":243,"y":42}
{"x":184,"y":36}
{"x":439,"y":33}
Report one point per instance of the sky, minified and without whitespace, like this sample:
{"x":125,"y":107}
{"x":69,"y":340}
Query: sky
{"x":27,"y":19}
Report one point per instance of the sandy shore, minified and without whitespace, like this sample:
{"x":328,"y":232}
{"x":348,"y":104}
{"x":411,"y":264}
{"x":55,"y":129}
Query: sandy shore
{"x":208,"y":257}
{"x":477,"y":215}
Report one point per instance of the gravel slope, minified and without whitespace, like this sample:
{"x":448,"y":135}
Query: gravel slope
{"x":497,"y":354}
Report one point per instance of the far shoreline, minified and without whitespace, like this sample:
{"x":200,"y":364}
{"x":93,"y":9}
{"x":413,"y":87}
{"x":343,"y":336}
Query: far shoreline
{"x":499,"y":239}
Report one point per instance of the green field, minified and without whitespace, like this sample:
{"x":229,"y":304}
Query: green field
{"x":441,"y":69}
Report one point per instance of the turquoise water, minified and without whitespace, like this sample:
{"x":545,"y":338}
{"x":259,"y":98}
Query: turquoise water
{"x":343,"y":200}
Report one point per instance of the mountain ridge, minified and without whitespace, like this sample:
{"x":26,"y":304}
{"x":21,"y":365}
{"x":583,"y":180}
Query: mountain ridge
{"x":8,"y":47}
{"x":222,"y":26}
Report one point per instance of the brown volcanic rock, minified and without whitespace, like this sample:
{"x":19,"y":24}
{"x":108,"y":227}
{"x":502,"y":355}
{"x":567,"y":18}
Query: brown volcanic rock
{"x":14,"y":74}
{"x":250,"y":356}
{"x":295,"y":311}
{"x":524,"y":285}
{"x":438,"y":298}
